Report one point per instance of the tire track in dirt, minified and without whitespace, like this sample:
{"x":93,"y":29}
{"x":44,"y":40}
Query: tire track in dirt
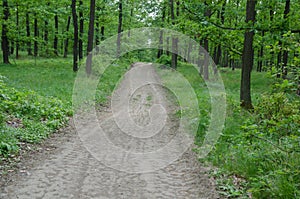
{"x":72,"y":172}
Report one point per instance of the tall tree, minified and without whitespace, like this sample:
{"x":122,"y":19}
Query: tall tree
{"x":18,"y":31}
{"x":28,"y":33}
{"x":248,"y":56}
{"x":174,"y":38}
{"x":81,"y":29}
{"x":5,"y":44}
{"x":120,"y":27}
{"x":90,"y":38}
{"x":55,"y":42}
{"x":161,"y":36}
{"x":286,"y":26}
{"x":75,"y":44}
{"x":36,"y":34}
{"x":67,"y":38}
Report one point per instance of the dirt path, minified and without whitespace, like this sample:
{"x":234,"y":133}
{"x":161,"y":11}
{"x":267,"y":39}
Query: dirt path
{"x":70,"y":171}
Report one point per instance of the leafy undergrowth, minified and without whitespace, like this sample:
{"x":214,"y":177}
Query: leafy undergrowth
{"x":35,"y":98}
{"x":25,"y":116}
{"x":258,"y":154}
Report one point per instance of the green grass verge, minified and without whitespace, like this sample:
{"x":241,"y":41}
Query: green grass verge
{"x":258,"y":154}
{"x":35,"y":98}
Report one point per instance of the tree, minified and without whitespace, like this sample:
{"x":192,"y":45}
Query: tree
{"x":174,"y":38}
{"x":120,"y":27}
{"x":55,"y":42}
{"x":5,"y":44}
{"x":81,"y":29}
{"x":67,"y":39}
{"x":75,"y":44}
{"x":90,"y":38}
{"x":36,"y":34}
{"x":28,"y":34}
{"x":247,"y":58}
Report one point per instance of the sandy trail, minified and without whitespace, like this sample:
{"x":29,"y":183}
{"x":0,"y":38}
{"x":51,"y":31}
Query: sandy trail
{"x":70,"y":171}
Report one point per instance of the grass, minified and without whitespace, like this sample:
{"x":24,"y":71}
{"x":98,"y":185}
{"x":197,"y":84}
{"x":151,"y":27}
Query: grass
{"x":47,"y":77}
{"x":36,"y":98}
{"x":258,"y":154}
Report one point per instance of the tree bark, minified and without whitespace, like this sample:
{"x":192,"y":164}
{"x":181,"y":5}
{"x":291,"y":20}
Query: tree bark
{"x":46,"y":33}
{"x":120,"y":27}
{"x":90,"y":38}
{"x":17,"y":40}
{"x":102,"y":33}
{"x":174,"y":39}
{"x":55,"y":42}
{"x":285,"y":52}
{"x":161,"y":36}
{"x":5,"y":44}
{"x":81,"y":29}
{"x":36,"y":34}
{"x":247,"y":58}
{"x":206,"y":47}
{"x":75,"y":45}
{"x":67,"y":39}
{"x":28,"y":34}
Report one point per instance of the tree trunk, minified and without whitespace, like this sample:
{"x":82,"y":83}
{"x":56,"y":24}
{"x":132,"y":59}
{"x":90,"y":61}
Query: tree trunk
{"x":28,"y":34}
{"x":90,"y":38}
{"x":46,"y":33}
{"x":12,"y":49}
{"x":120,"y":27}
{"x":285,"y":52}
{"x":161,"y":36}
{"x":81,"y":29}
{"x":36,"y":34}
{"x":102,"y":33}
{"x":17,"y":40}
{"x":5,"y":45}
{"x":174,"y":38}
{"x":97,"y":29}
{"x":247,"y":58}
{"x":206,"y":47}
{"x":67,"y":39}
{"x":75,"y":45}
{"x":55,"y":42}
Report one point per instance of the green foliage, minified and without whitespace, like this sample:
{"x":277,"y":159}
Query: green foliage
{"x":28,"y":117}
{"x":258,"y":153}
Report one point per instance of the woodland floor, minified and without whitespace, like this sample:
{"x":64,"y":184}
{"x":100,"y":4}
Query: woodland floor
{"x":64,"y":168}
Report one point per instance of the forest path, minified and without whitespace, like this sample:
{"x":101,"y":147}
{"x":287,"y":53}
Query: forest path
{"x":71,"y":171}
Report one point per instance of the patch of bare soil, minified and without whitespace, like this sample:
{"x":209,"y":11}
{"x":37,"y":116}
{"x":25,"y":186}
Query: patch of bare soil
{"x":62,"y":167}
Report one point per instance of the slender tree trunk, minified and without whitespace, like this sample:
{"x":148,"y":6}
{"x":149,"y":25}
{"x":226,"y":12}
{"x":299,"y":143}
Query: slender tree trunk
{"x":90,"y":38}
{"x":102,"y":33}
{"x":161,"y":36}
{"x":261,"y":54}
{"x":67,"y":39}
{"x":206,"y":47}
{"x":36,"y":35}
{"x":28,"y":34}
{"x":247,"y":58}
{"x":55,"y":42}
{"x":120,"y":27}
{"x":97,"y":29}
{"x":75,"y":45}
{"x":219,"y":49}
{"x":12,"y":49}
{"x":174,"y":39}
{"x":285,"y":52}
{"x":5,"y":44}
{"x":46,"y":33}
{"x":81,"y":29}
{"x":17,"y":40}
